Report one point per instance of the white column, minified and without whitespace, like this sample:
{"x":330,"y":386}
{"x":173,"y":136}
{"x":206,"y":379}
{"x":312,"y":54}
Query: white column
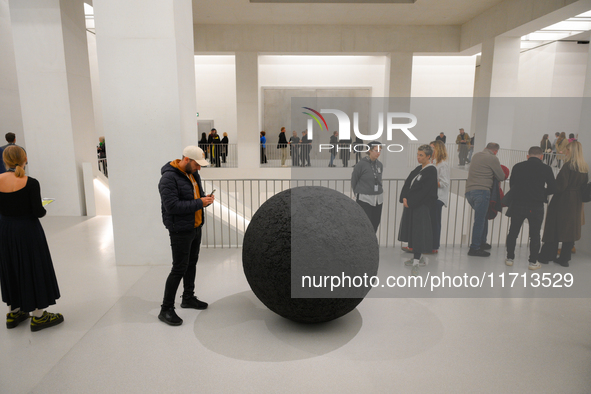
{"x":247,"y":109}
{"x":398,"y":87}
{"x":10,"y":107}
{"x":496,"y":77}
{"x":56,"y":102}
{"x":144,"y":52}
{"x":585,"y":139}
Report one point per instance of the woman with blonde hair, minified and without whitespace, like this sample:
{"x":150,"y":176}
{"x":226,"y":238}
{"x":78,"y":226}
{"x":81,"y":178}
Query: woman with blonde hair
{"x":565,"y":211}
{"x":561,"y":144}
{"x":27,"y":276}
{"x":440,"y":161}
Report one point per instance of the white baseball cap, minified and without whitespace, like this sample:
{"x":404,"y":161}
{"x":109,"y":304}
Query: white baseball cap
{"x":195,"y":153}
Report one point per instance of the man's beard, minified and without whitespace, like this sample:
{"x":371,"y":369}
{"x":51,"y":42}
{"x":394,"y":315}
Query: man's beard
{"x":188,"y":168}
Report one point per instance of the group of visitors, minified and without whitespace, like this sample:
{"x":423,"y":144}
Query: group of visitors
{"x":214,"y":147}
{"x":29,"y":284}
{"x":426,"y":192}
{"x":556,"y":149}
{"x":299,"y":148}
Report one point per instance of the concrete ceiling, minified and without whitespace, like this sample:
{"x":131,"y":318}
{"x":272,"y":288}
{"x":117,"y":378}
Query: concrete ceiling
{"x":422,"y":12}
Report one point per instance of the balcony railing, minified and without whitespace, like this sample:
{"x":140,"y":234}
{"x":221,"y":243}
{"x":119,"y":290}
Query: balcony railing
{"x":237,"y":200}
{"x":221,"y":155}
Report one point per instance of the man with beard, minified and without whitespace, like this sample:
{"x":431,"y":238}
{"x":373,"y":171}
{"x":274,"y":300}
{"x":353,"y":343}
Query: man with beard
{"x":183,"y":200}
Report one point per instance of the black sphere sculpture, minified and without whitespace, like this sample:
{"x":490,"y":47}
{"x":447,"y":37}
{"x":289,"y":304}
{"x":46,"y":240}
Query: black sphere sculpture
{"x":315,"y":232}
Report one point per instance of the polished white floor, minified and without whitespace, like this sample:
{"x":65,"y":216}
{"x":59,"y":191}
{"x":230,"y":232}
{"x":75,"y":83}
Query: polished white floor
{"x":112,"y":341}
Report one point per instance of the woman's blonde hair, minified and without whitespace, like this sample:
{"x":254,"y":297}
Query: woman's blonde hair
{"x":575,"y":157}
{"x":15,"y":157}
{"x":439,"y":151}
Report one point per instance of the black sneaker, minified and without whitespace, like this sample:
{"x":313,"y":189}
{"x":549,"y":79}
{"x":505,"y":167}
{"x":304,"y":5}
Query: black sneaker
{"x":14,"y":319}
{"x":478,"y":253}
{"x":169,"y":316}
{"x":193,"y":303}
{"x":485,"y":246}
{"x":46,"y":320}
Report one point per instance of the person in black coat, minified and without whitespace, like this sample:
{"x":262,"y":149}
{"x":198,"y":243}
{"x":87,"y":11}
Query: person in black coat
{"x":441,"y":137}
{"x":215,"y":148}
{"x":334,"y":140}
{"x":531,"y":183}
{"x":294,"y":145}
{"x":203,"y":144}
{"x":182,"y":202}
{"x":418,"y":195}
{"x":224,"y":149}
{"x":282,"y":146}
{"x":344,"y":147}
{"x":306,"y":147}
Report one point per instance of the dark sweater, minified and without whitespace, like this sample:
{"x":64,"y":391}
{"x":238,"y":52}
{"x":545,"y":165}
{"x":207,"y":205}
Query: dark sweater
{"x":531,"y":181}
{"x":25,"y":202}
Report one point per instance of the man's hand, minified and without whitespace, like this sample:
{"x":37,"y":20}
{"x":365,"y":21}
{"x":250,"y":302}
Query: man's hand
{"x":405,"y":203}
{"x":208,"y":200}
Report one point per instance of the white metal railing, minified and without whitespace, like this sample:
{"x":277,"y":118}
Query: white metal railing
{"x":237,"y":200}
{"x":102,"y":166}
{"x":297,"y":156}
{"x":221,"y":155}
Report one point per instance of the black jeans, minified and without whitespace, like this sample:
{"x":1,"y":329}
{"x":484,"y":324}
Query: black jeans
{"x":185,"y":253}
{"x":534,"y":213}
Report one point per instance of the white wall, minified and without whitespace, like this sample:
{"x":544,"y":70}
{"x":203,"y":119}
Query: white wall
{"x":555,"y":71}
{"x":321,"y":72}
{"x":443,"y":76}
{"x":569,"y":69}
{"x":10,"y":108}
{"x":215,"y":82}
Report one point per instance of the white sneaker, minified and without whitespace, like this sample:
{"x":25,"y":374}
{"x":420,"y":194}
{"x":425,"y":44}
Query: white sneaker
{"x":509,"y":262}
{"x":534,"y":266}
{"x":412,"y":262}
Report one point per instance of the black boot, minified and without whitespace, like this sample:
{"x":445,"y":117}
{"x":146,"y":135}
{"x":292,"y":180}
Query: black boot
{"x":169,"y":316}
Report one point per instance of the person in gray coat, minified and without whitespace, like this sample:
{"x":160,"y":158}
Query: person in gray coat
{"x":366,"y":182}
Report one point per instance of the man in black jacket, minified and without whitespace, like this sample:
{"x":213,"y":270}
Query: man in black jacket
{"x":282,"y":145}
{"x":183,"y":200}
{"x":531,"y":183}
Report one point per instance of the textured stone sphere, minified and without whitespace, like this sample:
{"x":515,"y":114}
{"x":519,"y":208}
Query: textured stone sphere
{"x":312,"y":231}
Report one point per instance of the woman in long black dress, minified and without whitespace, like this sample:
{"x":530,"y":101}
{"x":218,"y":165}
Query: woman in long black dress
{"x":565,"y":211}
{"x":27,"y":277}
{"x":418,"y":195}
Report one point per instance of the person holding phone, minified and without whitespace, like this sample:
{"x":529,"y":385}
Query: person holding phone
{"x":183,"y":200}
